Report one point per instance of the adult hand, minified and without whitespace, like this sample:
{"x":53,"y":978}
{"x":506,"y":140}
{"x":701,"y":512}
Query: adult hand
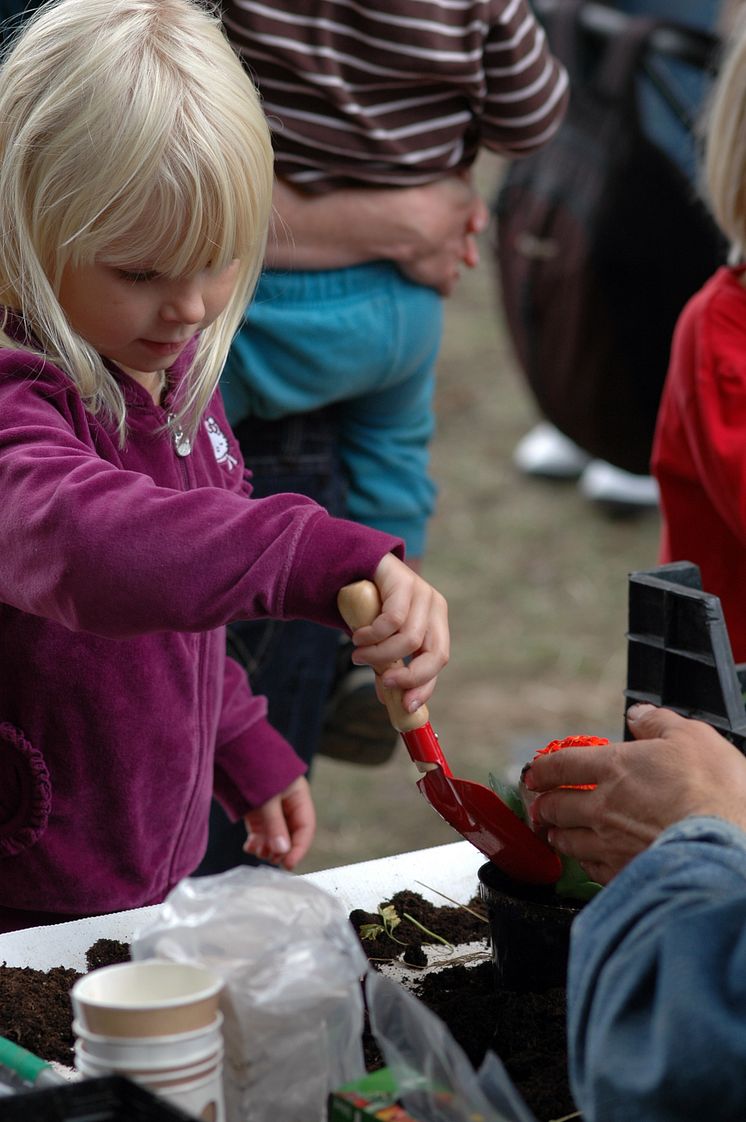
{"x":428,"y":231}
{"x":450,"y":220}
{"x":413,"y":621}
{"x":282,"y":829}
{"x":674,"y":768}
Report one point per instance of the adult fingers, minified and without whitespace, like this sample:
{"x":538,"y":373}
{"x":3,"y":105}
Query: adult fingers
{"x":648,"y":722}
{"x":564,"y":808}
{"x":599,"y":871}
{"x":568,"y":768}
{"x":599,"y":859}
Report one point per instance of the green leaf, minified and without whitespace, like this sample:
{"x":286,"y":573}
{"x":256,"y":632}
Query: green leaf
{"x":509,"y":795}
{"x":575,"y":884}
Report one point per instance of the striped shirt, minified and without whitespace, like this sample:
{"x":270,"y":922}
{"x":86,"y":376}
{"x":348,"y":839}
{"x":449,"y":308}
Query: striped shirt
{"x":396,"y":92}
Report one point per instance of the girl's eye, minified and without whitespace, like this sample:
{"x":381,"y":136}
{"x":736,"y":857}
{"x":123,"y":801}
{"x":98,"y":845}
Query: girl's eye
{"x":136,"y":275}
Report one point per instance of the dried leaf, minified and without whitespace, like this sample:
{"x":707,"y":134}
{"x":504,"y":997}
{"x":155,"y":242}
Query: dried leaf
{"x":370,"y":930}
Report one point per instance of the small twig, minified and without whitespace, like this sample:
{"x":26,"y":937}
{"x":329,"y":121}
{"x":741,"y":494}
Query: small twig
{"x":416,"y":922}
{"x":477,"y":915}
{"x":480,"y":956}
{"x":567,"y":1117}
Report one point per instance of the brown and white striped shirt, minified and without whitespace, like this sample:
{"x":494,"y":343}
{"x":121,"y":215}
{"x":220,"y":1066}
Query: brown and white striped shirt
{"x":396,"y":92}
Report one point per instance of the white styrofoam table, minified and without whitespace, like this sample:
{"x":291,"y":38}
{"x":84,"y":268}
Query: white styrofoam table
{"x":449,"y":870}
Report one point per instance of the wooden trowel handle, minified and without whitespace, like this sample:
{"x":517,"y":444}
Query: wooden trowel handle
{"x":359,"y":604}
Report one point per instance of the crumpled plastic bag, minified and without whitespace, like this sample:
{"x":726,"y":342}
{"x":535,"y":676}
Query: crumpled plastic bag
{"x":292,"y":1001}
{"x":436,"y":1080}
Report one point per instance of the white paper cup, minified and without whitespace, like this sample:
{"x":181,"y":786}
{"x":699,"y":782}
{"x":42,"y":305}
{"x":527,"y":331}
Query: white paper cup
{"x":150,"y":1077}
{"x":172,"y":1047}
{"x":146,"y":999}
{"x":203,"y":1099}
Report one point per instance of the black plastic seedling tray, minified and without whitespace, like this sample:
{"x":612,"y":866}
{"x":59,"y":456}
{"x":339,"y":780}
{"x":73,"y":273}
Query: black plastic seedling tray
{"x":109,"y":1099}
{"x":679,"y":653}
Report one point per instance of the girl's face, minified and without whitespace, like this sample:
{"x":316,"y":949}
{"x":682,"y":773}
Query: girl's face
{"x":138,"y":318}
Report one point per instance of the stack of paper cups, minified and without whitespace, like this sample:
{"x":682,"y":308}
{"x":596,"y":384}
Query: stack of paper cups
{"x":157,"y":1023}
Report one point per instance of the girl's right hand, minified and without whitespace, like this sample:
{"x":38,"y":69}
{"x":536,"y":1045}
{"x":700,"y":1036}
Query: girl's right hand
{"x":413,"y":621}
{"x":281,"y":830}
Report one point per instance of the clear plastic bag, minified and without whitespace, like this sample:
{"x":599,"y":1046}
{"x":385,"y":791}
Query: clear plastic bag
{"x":436,"y":1081}
{"x":292,"y":1001}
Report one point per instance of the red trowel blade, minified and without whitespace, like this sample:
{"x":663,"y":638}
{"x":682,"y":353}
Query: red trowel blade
{"x":477,"y":813}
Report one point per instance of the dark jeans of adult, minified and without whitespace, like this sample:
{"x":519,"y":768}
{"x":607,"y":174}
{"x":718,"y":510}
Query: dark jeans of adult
{"x":292,"y":659}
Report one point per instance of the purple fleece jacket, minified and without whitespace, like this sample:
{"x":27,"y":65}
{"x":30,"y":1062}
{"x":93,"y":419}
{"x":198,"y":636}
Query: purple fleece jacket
{"x":119,"y":710}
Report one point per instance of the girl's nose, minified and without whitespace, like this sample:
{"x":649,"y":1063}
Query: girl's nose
{"x":184,"y":302}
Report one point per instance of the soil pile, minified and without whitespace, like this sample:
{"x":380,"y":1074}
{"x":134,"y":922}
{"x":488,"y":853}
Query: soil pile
{"x":35,"y":1008}
{"x":526,"y":1030}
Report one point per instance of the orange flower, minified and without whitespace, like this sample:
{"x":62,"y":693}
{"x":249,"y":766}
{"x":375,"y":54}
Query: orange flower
{"x":573,"y":742}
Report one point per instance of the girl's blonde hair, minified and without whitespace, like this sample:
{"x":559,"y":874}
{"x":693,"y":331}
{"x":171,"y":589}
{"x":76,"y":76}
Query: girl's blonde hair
{"x":129,"y":130}
{"x":725,"y":144}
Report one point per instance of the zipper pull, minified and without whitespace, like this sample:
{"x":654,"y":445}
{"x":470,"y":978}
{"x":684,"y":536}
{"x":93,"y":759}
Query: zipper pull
{"x":182,"y":443}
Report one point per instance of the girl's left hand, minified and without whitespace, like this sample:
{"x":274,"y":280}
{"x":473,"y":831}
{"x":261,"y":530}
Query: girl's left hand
{"x":282,"y":829}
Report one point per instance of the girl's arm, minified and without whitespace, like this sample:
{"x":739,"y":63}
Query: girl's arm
{"x":99,"y":547}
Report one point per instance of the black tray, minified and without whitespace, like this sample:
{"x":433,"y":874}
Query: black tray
{"x":679,"y":653}
{"x":109,"y":1099}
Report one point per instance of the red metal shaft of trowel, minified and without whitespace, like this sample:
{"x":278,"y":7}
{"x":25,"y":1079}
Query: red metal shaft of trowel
{"x":424,"y":747}
{"x":472,"y":809}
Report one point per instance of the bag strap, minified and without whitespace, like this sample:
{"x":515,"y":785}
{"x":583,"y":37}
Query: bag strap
{"x":614,"y":78}
{"x":565,"y":37}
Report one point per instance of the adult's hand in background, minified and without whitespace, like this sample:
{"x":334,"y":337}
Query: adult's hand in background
{"x":674,"y":768}
{"x":428,"y":231}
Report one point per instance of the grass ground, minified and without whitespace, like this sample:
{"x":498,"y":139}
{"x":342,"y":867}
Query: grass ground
{"x":536,"y":580}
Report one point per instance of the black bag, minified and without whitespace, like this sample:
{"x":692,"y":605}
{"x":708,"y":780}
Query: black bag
{"x":600,"y":242}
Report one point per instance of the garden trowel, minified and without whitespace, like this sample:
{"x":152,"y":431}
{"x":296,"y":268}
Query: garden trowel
{"x":472,"y":809}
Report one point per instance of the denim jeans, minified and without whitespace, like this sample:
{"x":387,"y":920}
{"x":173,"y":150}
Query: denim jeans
{"x":290,"y":661}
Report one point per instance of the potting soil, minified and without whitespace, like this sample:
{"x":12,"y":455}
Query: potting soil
{"x":526,"y":1030}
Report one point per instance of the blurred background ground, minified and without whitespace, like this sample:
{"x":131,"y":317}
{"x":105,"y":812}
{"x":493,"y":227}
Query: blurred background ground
{"x":536,"y":580}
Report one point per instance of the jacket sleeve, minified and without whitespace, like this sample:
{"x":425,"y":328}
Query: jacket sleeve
{"x":251,"y":757}
{"x":103,"y":549}
{"x":657,"y":983}
{"x":527,"y":87}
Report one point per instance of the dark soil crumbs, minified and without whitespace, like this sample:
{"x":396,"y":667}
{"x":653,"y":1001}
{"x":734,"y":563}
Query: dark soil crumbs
{"x":35,"y":1009}
{"x":526,"y":1030}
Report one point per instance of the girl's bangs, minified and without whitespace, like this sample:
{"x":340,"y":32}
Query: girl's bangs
{"x":179,"y":230}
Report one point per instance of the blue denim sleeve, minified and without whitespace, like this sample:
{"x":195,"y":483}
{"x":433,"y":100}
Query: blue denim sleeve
{"x":657,"y":984}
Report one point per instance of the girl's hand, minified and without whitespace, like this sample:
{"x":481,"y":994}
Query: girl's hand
{"x":282,"y":829}
{"x":413,"y":621}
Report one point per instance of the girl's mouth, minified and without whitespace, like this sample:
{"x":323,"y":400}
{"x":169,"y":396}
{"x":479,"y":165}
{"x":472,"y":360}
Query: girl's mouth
{"x":167,"y":348}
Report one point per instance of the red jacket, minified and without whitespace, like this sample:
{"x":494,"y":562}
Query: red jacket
{"x":699,"y":452}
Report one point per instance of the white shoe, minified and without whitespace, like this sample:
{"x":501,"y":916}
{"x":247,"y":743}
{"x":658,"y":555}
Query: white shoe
{"x":547,"y":452}
{"x":620,"y":491}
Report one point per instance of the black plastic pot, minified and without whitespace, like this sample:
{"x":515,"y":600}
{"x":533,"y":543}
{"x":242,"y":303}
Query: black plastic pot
{"x":530,"y":931}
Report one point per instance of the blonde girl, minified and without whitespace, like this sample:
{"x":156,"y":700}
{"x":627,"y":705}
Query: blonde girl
{"x":135,"y":189}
